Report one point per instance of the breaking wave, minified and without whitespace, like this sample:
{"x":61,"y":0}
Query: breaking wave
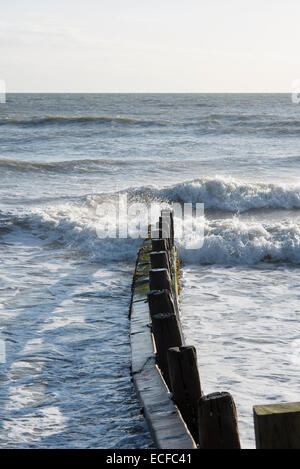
{"x":233,"y":196}
{"x":226,"y":242}
{"x":236,"y":242}
{"x":72,"y":226}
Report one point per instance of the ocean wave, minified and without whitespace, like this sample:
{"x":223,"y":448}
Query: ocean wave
{"x":217,"y":123}
{"x":256,"y":119}
{"x":236,"y":242}
{"x":75,"y":120}
{"x":261,"y":125}
{"x":78,"y":228}
{"x":231,"y":195}
{"x":86,"y":165}
{"x":75,"y":227}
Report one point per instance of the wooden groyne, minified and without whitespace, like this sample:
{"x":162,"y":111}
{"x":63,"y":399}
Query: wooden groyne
{"x":165,"y":370}
{"x":166,"y":425}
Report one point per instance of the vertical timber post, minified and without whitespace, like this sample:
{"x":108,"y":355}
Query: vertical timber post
{"x":160,"y":301}
{"x":164,"y":227}
{"x":159,"y":244}
{"x":277,"y":426}
{"x":160,"y":279}
{"x":185,"y":384}
{"x":167,"y":215}
{"x":217,"y":418}
{"x":166,"y":331}
{"x":159,"y":259}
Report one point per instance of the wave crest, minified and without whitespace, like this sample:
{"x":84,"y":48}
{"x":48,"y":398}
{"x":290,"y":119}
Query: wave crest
{"x":235,"y":242}
{"x":233,"y":196}
{"x":226,"y":242}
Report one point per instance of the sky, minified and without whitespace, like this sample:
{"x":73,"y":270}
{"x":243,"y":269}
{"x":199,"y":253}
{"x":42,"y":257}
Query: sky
{"x":157,"y":46}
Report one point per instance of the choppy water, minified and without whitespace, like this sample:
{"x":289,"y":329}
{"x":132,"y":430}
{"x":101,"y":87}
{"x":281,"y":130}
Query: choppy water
{"x":65,"y":292}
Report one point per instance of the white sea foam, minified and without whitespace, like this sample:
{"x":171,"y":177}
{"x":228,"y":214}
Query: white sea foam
{"x":232,"y":195}
{"x":76,"y":227}
{"x":237,"y":242}
{"x":226,"y":241}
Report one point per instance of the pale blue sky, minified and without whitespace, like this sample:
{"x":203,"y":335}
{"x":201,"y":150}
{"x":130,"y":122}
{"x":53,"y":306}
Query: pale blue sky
{"x":149,"y":46}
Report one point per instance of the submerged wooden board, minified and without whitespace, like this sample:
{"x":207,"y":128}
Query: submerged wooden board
{"x":164,"y":420}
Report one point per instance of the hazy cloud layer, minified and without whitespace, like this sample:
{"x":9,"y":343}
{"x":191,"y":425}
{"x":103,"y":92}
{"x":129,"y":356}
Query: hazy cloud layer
{"x":136,"y":46}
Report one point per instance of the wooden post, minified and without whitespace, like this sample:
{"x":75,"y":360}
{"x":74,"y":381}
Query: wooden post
{"x":155,"y":233}
{"x":171,"y":229}
{"x":164,"y":227}
{"x":166,"y":331}
{"x":159,"y":244}
{"x":217,"y":418}
{"x":159,"y":279}
{"x":168,"y":214}
{"x":161,"y":301}
{"x":185,"y":384}
{"x":159,"y":260}
{"x":277,"y":426}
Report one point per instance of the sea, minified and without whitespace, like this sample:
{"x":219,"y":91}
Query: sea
{"x":65,"y":290}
